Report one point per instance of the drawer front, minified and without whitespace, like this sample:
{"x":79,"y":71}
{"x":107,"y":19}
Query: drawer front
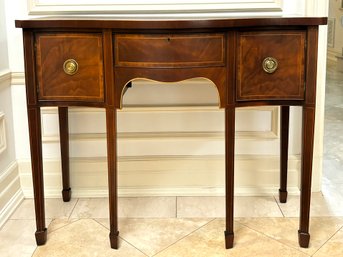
{"x":197,"y":50}
{"x":270,"y":65}
{"x":70,"y":67}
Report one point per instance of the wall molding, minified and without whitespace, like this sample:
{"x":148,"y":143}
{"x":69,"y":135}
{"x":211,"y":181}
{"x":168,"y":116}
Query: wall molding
{"x":166,"y":175}
{"x":11,"y":194}
{"x":18,"y":78}
{"x":188,"y":111}
{"x":3,"y":144}
{"x":5,"y":79}
{"x":11,"y":206}
{"x":153,"y":8}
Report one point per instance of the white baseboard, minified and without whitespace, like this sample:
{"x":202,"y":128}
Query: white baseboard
{"x":11,"y":194}
{"x":172,"y":191}
{"x":165,"y":176}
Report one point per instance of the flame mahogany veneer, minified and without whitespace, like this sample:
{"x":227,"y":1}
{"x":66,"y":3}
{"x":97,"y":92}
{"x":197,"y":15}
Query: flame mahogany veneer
{"x":91,"y":61}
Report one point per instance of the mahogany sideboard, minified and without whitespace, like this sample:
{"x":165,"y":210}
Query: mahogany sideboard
{"x":92,"y":61}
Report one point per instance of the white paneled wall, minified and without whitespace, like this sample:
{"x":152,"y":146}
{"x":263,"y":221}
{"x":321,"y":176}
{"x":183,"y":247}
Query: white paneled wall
{"x":10,"y":190}
{"x":174,"y":149}
{"x":171,"y":138}
{"x":9,"y":176}
{"x":3,"y":145}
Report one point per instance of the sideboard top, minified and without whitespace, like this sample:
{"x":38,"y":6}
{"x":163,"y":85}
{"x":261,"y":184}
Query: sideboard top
{"x":108,"y":22}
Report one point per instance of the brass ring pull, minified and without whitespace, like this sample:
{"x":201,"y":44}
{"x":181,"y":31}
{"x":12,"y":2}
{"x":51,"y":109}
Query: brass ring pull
{"x":269,"y":64}
{"x":70,"y":66}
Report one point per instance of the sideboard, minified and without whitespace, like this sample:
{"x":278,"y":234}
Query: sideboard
{"x":92,"y":61}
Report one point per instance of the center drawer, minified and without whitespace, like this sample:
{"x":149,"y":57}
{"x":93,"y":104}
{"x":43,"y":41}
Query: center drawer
{"x":169,"y":50}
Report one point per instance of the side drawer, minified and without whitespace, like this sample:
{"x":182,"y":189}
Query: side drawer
{"x":70,"y":66}
{"x":270,"y":65}
{"x":165,"y":50}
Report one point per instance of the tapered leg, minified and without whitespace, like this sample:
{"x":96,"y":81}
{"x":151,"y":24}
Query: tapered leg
{"x":64,"y":142}
{"x":37,"y":172}
{"x":111,"y":121}
{"x":284,"y":124}
{"x":229,"y":174}
{"x":306,"y":175}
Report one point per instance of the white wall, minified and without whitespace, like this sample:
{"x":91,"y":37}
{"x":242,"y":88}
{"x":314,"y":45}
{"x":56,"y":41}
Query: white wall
{"x":294,"y":7}
{"x":10,"y":192}
{"x":180,"y":150}
{"x":3,"y":38}
{"x":336,"y":13}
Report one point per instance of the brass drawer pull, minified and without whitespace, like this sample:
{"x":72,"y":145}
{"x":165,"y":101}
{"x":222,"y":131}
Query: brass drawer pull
{"x":270,"y":65}
{"x":70,"y":66}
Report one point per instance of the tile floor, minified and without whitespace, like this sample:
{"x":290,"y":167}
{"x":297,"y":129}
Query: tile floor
{"x":193,"y":226}
{"x":174,"y":226}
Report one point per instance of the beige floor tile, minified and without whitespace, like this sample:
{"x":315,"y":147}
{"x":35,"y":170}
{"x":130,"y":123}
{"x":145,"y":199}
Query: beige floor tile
{"x":54,"y":208}
{"x":291,"y":207}
{"x":188,"y":207}
{"x":147,"y":207}
{"x":195,"y":207}
{"x":256,"y":207}
{"x":209,"y":241}
{"x":84,"y":238}
{"x":133,"y":207}
{"x":153,"y":235}
{"x":60,"y":223}
{"x":320,"y":206}
{"x":17,"y":238}
{"x":333,"y":248}
{"x":285,"y":230}
{"x":91,"y":208}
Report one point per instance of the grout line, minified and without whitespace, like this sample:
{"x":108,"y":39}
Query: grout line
{"x":327,"y":241}
{"x":69,"y":223}
{"x":277,"y":203}
{"x":272,"y":238}
{"x":95,"y":219}
{"x":77,"y":201}
{"x":184,"y":236}
{"x":132,"y":245}
{"x":25,"y":219}
{"x":34,"y":251}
